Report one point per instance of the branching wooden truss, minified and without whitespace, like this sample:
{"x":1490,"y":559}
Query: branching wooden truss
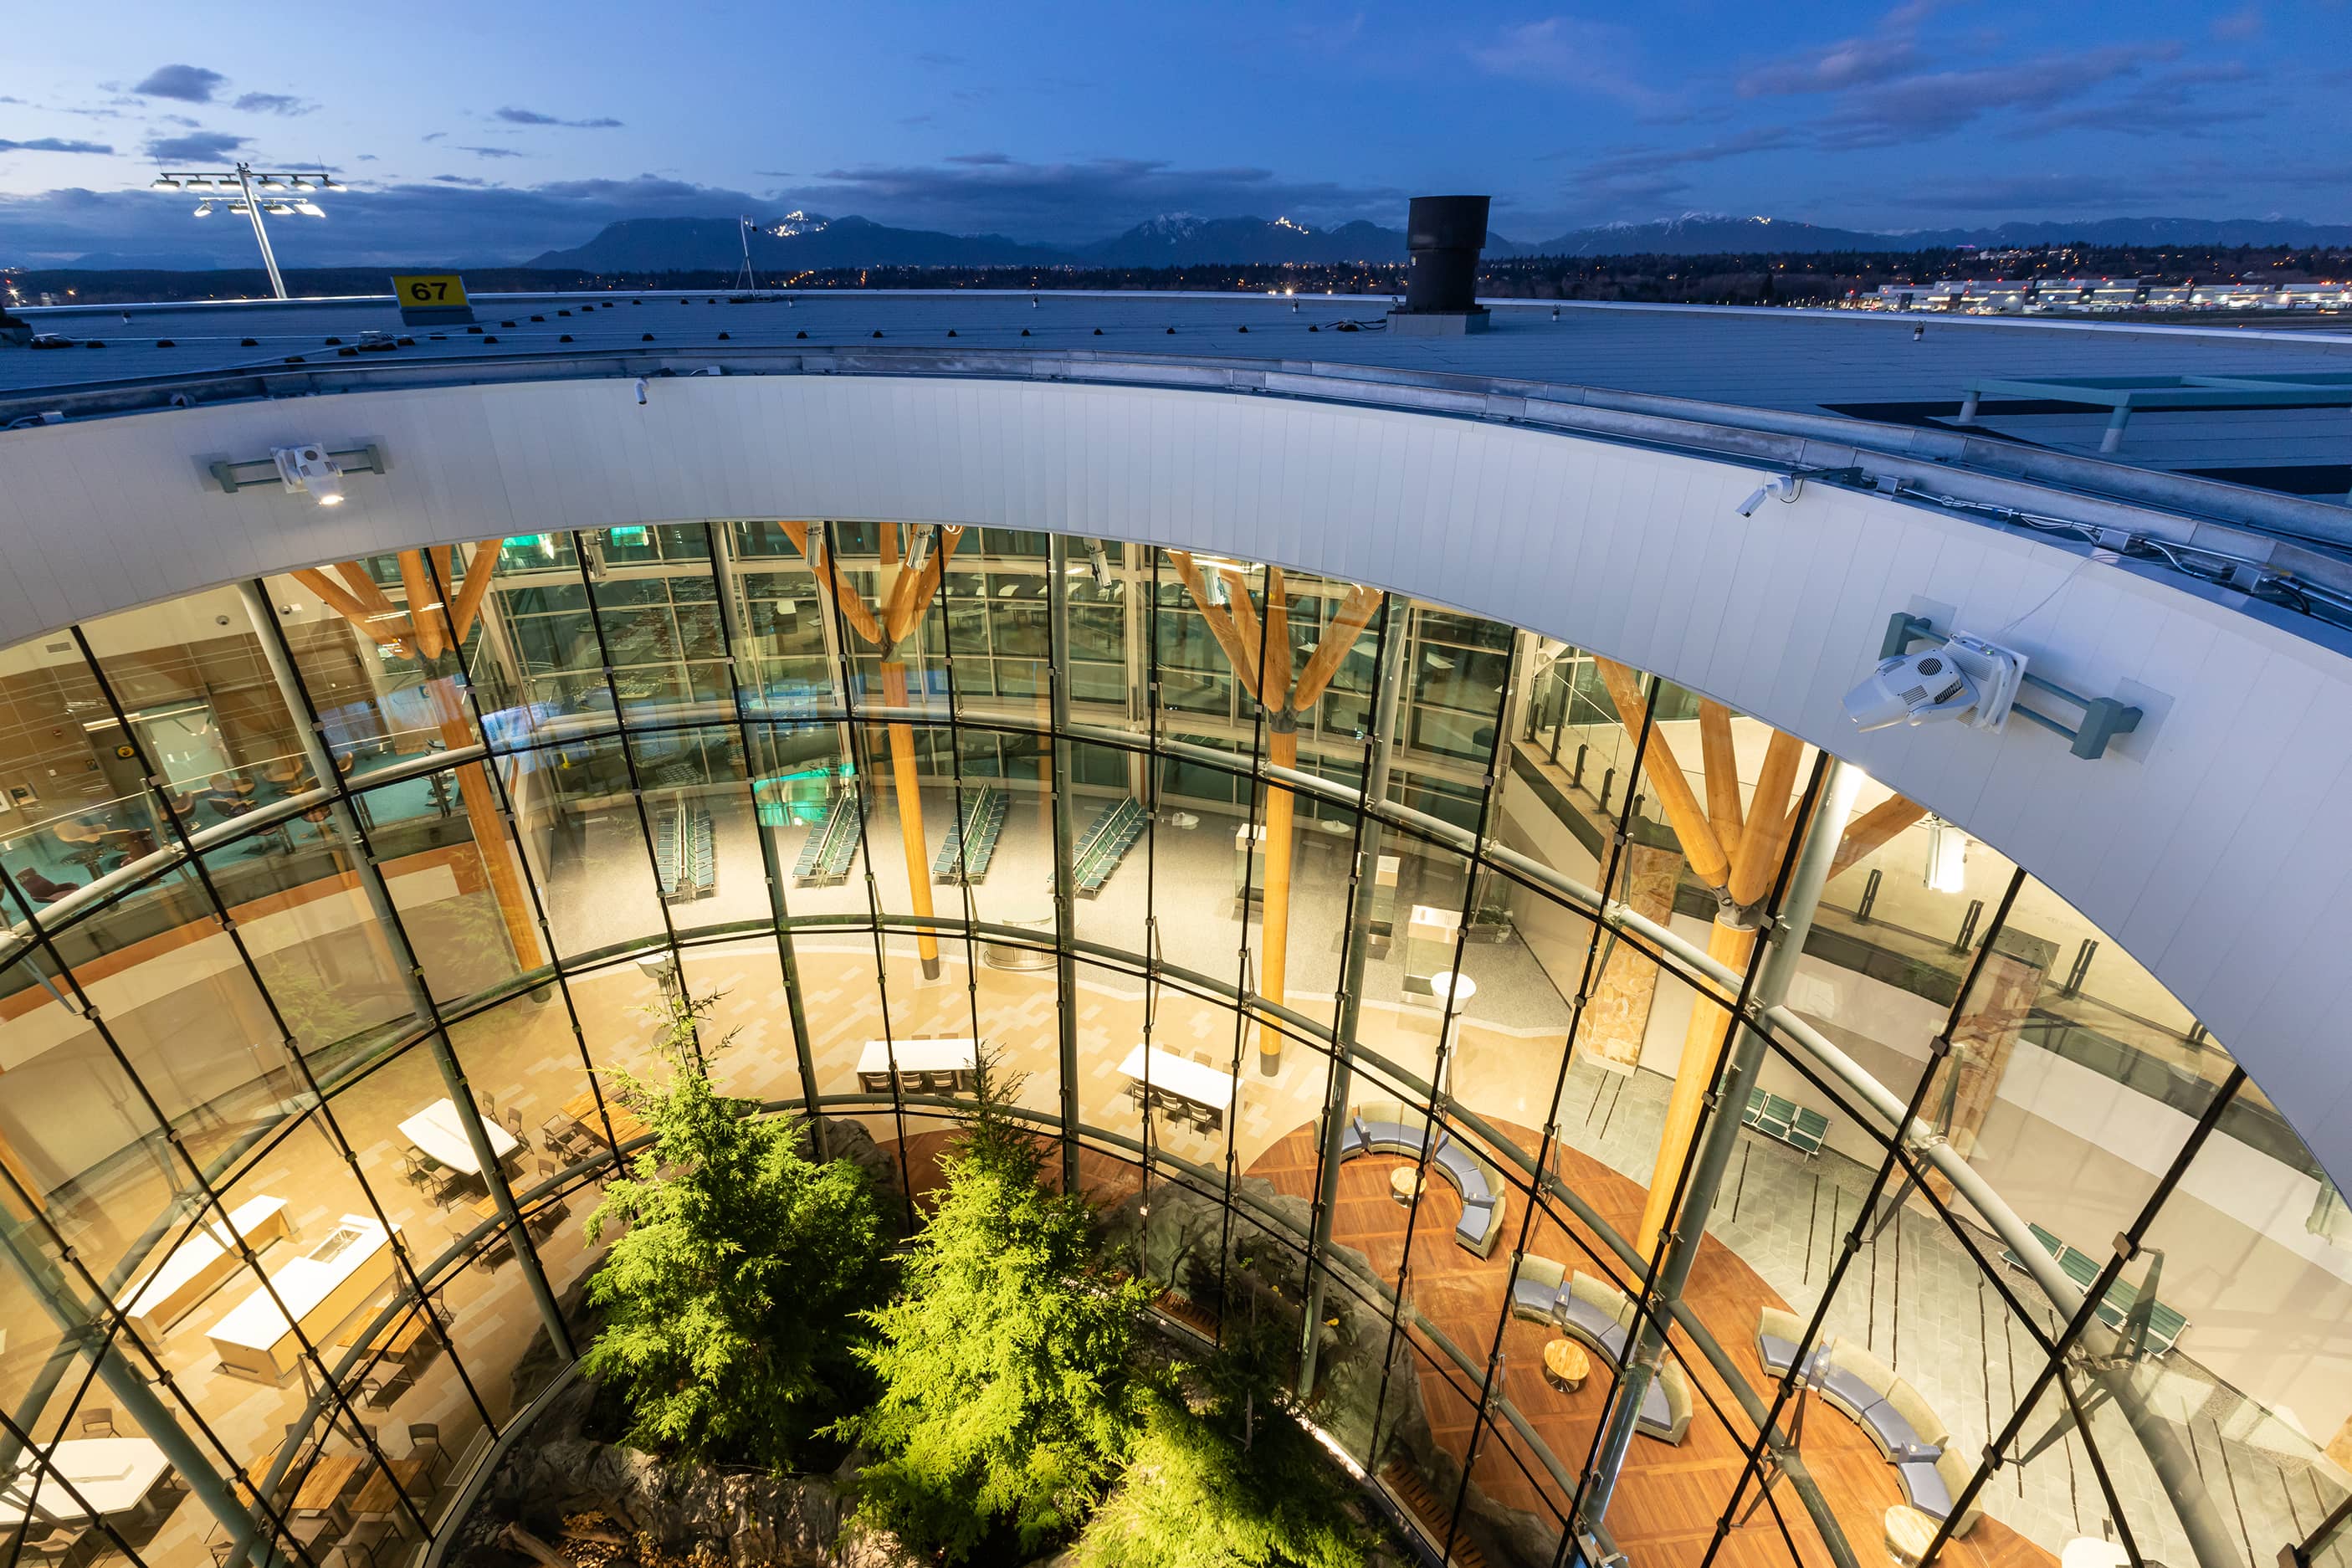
{"x":904,"y":598}
{"x":1259,"y":651}
{"x":1735,"y":851}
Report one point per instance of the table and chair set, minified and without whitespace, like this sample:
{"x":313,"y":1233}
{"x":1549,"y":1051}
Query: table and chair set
{"x":339,"y":1506}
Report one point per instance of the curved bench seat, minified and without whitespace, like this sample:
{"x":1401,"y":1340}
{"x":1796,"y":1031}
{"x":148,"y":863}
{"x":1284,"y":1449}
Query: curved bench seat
{"x":1899,"y":1421}
{"x":1478,"y":1183}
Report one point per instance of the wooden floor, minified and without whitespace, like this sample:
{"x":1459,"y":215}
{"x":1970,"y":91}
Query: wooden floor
{"x":1669,"y":1498}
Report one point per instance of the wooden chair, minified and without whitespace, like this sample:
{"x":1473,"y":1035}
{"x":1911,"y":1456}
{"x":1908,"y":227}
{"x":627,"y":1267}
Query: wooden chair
{"x":425,"y":1440}
{"x":55,"y":1548}
{"x":514,"y":1124}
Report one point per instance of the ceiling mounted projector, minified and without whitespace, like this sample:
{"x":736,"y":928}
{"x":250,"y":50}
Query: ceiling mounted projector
{"x":1967,"y":678}
{"x":309,"y":468}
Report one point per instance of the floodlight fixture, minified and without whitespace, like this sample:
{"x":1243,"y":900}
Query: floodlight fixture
{"x":244,"y":181}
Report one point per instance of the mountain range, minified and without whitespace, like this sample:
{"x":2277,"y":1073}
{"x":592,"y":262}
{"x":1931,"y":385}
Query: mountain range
{"x":808,"y":241}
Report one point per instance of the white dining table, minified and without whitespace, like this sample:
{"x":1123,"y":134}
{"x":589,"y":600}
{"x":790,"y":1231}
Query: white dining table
{"x":437,"y":1131}
{"x":1181,"y":1078}
{"x":113,"y":1474}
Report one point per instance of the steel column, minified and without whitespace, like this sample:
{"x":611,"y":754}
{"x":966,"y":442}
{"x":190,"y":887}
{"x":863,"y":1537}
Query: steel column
{"x":1722,"y":1131}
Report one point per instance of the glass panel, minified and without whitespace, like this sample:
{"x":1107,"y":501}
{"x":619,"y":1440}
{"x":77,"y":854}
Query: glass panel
{"x":201,"y":703}
{"x":585,"y":844}
{"x":706,"y":858}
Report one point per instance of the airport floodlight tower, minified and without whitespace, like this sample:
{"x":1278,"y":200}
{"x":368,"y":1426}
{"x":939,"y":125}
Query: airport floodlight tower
{"x":252,"y":192}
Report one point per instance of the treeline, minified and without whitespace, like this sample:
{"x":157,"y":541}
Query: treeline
{"x":1767,"y":277}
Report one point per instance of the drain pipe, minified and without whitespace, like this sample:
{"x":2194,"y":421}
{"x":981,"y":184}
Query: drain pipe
{"x":1778,"y":965}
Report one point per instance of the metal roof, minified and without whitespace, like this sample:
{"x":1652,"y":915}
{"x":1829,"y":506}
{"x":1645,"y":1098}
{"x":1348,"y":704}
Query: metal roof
{"x":1875,"y":368}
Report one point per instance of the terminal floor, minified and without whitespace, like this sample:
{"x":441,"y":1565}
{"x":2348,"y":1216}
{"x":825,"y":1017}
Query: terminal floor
{"x":1668,"y":1501}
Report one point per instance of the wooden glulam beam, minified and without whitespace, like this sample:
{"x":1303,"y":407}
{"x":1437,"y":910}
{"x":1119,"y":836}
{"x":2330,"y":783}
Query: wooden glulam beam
{"x":1221,"y":625}
{"x":1769,"y":818}
{"x":1705,"y":852}
{"x":393,"y":633}
{"x":1246,"y":630}
{"x":1355,"y":613}
{"x":911,"y":598}
{"x":1274,"y":668}
{"x":481,"y":561}
{"x":1874,"y":827}
{"x":422,"y":602}
{"x":845,"y":593}
{"x":1719,"y":761}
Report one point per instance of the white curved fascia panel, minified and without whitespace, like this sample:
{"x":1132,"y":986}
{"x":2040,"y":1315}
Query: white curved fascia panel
{"x":2215,"y":845}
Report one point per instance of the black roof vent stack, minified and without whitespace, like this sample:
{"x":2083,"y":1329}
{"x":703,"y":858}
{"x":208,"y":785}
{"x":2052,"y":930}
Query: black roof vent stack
{"x":1444,"y":235}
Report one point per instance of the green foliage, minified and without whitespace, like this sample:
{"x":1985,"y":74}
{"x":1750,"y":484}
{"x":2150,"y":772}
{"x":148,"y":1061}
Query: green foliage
{"x":1221,"y":1486}
{"x":1009,"y":1394}
{"x":729,"y":1303}
{"x":1221,"y":1477}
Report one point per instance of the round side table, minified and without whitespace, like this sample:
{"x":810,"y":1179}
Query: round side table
{"x":1909,"y":1533}
{"x":1404,"y":1184}
{"x":1566,"y":1364}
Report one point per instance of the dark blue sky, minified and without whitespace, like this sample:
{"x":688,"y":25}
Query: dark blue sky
{"x":516,"y":126}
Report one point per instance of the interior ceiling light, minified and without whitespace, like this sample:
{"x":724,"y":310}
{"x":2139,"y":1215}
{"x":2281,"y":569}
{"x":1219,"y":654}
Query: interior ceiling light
{"x":1947,"y":857}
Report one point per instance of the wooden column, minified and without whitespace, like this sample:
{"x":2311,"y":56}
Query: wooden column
{"x":491,"y":840}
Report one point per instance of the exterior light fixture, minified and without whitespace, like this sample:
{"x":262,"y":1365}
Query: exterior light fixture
{"x":243,"y":181}
{"x":309,"y":469}
{"x":203,"y":209}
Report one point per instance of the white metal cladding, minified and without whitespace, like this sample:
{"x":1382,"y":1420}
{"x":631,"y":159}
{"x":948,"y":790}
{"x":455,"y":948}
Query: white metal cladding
{"x":2215,"y":844}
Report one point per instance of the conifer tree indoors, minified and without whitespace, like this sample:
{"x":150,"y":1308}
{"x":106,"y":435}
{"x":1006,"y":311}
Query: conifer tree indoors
{"x":729,"y":1302}
{"x":1009,"y":1396}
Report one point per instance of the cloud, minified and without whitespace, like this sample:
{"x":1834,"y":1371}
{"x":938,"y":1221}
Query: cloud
{"x":54,"y":144}
{"x":2170,"y":99}
{"x":435,"y":136}
{"x":993,"y":192}
{"x":1634,"y":176}
{"x":491,"y":152}
{"x":273,"y":103}
{"x":1849,"y":63}
{"x":532,"y":117}
{"x":459,"y":180}
{"x":189,"y":84}
{"x":1933,"y":104}
{"x":2246,"y":22}
{"x":196,"y":147}
{"x":1566,"y":52}
{"x":933,"y":57}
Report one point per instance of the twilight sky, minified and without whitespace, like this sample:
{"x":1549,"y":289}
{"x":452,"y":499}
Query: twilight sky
{"x":511,"y":127}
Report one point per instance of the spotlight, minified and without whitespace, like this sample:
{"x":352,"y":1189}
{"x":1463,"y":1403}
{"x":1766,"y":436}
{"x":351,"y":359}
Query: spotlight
{"x":641,"y":389}
{"x":165,"y":183}
{"x":1098,"y":560}
{"x":270,"y":182}
{"x":1783,"y":488}
{"x":918,"y":548}
{"x":329,"y":182}
{"x":309,"y":469}
{"x":310,"y":209}
{"x":203,"y":209}
{"x":278,"y":209}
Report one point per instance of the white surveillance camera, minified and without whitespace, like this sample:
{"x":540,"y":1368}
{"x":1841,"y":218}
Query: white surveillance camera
{"x":308,"y":467}
{"x":641,"y":389}
{"x":1967,"y":678}
{"x":1782,"y":488}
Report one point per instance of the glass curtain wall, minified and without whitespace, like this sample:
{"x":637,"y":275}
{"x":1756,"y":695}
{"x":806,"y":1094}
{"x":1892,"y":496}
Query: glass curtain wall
{"x":1385,"y":975}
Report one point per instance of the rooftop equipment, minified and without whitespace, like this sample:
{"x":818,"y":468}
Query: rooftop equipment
{"x":1444,"y":236}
